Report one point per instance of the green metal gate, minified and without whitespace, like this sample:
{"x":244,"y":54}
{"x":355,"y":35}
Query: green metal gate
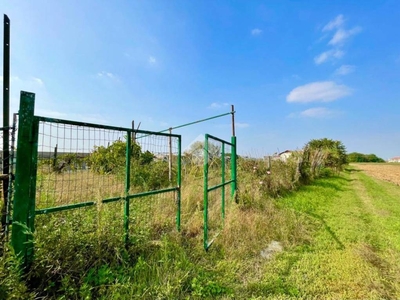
{"x":65,"y":167}
{"x":219,"y":172}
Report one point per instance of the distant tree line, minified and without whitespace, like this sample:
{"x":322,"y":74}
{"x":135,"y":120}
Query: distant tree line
{"x":359,"y":157}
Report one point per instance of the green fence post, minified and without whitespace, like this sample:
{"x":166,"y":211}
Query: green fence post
{"x":25,"y":181}
{"x":205,"y":211}
{"x":179,"y":183}
{"x":223,"y":181}
{"x":127,"y":186}
{"x":233,"y":168}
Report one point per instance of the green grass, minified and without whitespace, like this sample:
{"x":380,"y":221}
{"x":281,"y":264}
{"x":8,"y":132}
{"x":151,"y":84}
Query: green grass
{"x":340,"y":239}
{"x":354,"y":250}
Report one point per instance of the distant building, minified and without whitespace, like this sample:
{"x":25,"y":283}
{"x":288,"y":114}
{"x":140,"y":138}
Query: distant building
{"x":283,"y":156}
{"x":395,"y":159}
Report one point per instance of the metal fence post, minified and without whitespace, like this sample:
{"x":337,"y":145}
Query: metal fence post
{"x":127,"y":186}
{"x":6,"y":119}
{"x":179,"y":183}
{"x":25,"y":180}
{"x":223,"y":181}
{"x":170,"y":156}
{"x":205,"y":209}
{"x":233,"y":168}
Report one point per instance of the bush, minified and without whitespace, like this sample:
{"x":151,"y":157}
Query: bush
{"x":147,"y":173}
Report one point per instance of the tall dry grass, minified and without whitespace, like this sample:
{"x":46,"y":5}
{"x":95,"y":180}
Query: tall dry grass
{"x":81,"y":252}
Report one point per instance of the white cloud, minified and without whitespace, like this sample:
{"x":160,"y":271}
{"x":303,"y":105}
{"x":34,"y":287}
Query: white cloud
{"x":105,"y":74}
{"x":217,"y":105}
{"x":335,"y":23}
{"x":242,"y":125}
{"x":320,"y":91}
{"x":345,"y":69}
{"x":38,"y":80}
{"x":338,"y":39}
{"x":256,"y":31}
{"x":341,"y":35}
{"x":328,"y":55}
{"x":152,"y":60}
{"x":318,"y":112}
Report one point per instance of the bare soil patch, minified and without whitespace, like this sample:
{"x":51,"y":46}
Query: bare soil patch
{"x":387,"y":172}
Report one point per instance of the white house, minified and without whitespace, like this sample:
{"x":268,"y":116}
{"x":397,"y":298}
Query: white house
{"x":395,"y":159}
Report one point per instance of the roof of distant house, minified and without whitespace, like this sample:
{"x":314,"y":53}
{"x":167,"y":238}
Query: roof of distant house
{"x":286,"y":151}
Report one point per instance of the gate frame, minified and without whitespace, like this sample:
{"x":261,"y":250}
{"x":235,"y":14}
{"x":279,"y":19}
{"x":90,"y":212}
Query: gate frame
{"x":24,"y":209}
{"x":232,"y":182}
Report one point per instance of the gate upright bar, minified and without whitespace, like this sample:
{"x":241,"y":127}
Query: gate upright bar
{"x":25,"y":181}
{"x":212,"y":185}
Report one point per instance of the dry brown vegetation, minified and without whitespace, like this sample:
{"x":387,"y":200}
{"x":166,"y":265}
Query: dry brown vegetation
{"x":387,"y":172}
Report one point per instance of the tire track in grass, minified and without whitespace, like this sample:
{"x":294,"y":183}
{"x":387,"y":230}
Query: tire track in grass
{"x":349,"y":257}
{"x":381,"y":201}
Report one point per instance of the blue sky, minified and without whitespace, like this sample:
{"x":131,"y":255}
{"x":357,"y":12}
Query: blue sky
{"x":295,"y":70}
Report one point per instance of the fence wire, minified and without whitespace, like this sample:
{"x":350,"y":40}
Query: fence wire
{"x":218,"y":166}
{"x":64,"y":166}
{"x":80,"y":165}
{"x":7,"y":176}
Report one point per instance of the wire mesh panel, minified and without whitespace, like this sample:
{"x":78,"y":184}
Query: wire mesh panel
{"x":155,"y":200}
{"x":218,"y":178}
{"x":130,"y":178}
{"x":79,"y":164}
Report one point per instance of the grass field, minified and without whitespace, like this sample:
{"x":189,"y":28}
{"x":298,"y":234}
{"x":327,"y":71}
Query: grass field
{"x":336,"y":238}
{"x":354,"y":248}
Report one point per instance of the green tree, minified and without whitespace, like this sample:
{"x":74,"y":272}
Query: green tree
{"x":196,"y":151}
{"x":111,"y":159}
{"x":325,"y":152}
{"x":359,"y":157}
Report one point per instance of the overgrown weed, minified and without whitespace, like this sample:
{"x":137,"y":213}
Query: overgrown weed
{"x":80,"y":254}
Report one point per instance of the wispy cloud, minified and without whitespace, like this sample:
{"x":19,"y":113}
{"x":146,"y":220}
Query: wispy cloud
{"x":217,"y":105}
{"x":152,"y":60}
{"x":105,"y":74}
{"x":328,"y":55}
{"x":316,"y":113}
{"x":335,"y":23}
{"x":341,"y":35}
{"x":256,"y":31}
{"x":345,"y":69}
{"x":16,"y":78}
{"x":242,"y":125}
{"x":38,"y":80}
{"x":320,"y":91}
{"x":337,"y":40}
